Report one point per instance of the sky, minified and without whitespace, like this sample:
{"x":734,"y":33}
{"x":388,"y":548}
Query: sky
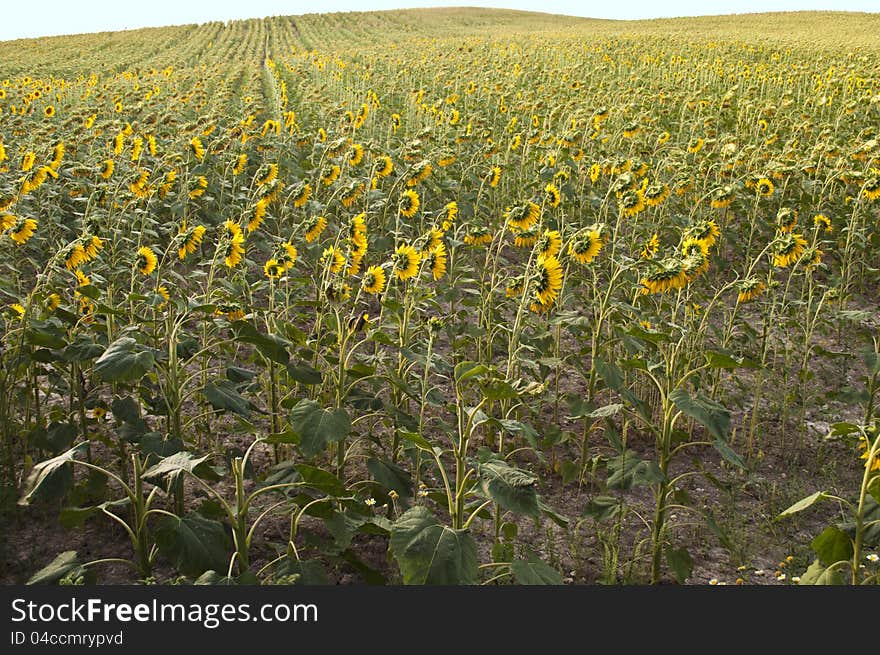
{"x":51,"y":17}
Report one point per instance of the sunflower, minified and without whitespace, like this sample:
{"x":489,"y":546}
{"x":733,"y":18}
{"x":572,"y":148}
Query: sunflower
{"x":547,"y":283}
{"x":420,"y":173}
{"x":190,"y":238}
{"x":722,"y":197}
{"x":75,"y":256}
{"x":695,"y":145}
{"x":273,"y":269}
{"x":764,"y":187}
{"x":651,"y":247}
{"x":670,"y":273}
{"x":493,"y":177}
{"x":314,"y":227}
{"x":17,"y":310}
{"x":337,"y":291}
{"x":448,"y":215}
{"x":549,"y":243}
{"x":162,"y":291}
{"x":286,"y":255}
{"x":436,"y":261}
{"x":408,"y":204}
{"x":446,"y":160}
{"x":586,"y":244}
{"x":823,"y":222}
{"x":786,"y":219}
{"x":704,"y":230}
{"x":871,"y":190}
{"x":146,"y":260}
{"x":662,"y":138}
{"x":656,"y":194}
{"x":301,"y":193}
{"x":395,"y":122}
{"x":333,"y":258}
{"x":385,"y":167}
{"x":200,"y":188}
{"x":197,"y":148}
{"x":57,"y":156}
{"x":525,"y":239}
{"x":53,"y":301}
{"x":478,"y":236}
{"x":136,"y":149}
{"x":355,"y":154}
{"x":632,"y":203}
{"x":749,"y":289}
{"x":631,"y":130}
{"x":352,"y":193}
{"x":231,"y":312}
{"x":523,"y":216}
{"x":49,"y":111}
{"x":406,"y":262}
{"x":374,"y":280}
{"x":23,"y":230}
{"x":788,"y":248}
{"x":552,"y":196}
{"x":28,"y":161}
{"x":234,"y":249}
{"x":268,"y":174}
{"x":865,"y":447}
{"x":430,"y":240}
{"x":240,"y":163}
{"x":329,"y":174}
{"x":696,"y":257}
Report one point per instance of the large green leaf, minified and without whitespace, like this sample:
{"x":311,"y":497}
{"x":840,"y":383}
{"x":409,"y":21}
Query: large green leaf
{"x":681,"y":563}
{"x":125,"y":360}
{"x":628,"y":470}
{"x":431,"y":553}
{"x":167,"y":471}
{"x":224,"y":396}
{"x":803,"y":504}
{"x":534,"y":572}
{"x":512,"y":488}
{"x":613,"y":378}
{"x":59,"y":567}
{"x":391,"y":477}
{"x":832,"y":545}
{"x":52,"y":478}
{"x":715,"y":417}
{"x":193,"y":543}
{"x":270,"y":346}
{"x":317,"y":427}
{"x":818,"y":574}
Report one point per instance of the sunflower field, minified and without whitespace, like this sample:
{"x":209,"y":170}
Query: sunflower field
{"x":442,"y":297}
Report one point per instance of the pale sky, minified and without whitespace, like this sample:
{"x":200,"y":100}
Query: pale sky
{"x":29,"y":18}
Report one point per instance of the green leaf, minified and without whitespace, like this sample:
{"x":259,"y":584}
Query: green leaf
{"x":613,"y":377}
{"x":391,"y":477}
{"x":301,"y":572}
{"x":465,"y":370}
{"x":46,"y":334}
{"x":818,"y":574}
{"x":73,"y":517}
{"x":803,"y":504}
{"x":321,"y":480}
{"x":431,"y":553}
{"x":52,"y":478}
{"x":125,"y":360}
{"x":727,"y":361}
{"x":729,"y":453}
{"x":59,"y":567}
{"x":715,"y":417}
{"x":602,"y":508}
{"x":534,"y":572}
{"x":628,"y":470}
{"x":512,"y":488}
{"x":271,"y":346}
{"x":304,"y":374}
{"x":193,"y":543}
{"x":167,"y":471}
{"x":223,"y":396}
{"x":498,"y":390}
{"x":832,"y":545}
{"x":317,"y":426}
{"x":681,"y":563}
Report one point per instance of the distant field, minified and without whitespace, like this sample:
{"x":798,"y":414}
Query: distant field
{"x":514,"y":297}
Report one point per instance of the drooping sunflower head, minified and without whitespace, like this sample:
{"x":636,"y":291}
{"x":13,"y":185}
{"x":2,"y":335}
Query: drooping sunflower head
{"x":523,"y":216}
{"x":478,"y":235}
{"x":406,"y":262}
{"x":493,"y":177}
{"x":632,"y":203}
{"x":420,"y":172}
{"x":764,"y":187}
{"x":788,"y":248}
{"x":384,"y":167}
{"x":436,"y":260}
{"x":821,"y":221}
{"x":749,"y":289}
{"x":587,"y":243}
{"x":408,"y":204}
{"x":273,"y":269}
{"x":552,"y":195}
{"x":651,"y":247}
{"x":704,"y":230}
{"x":355,"y":154}
{"x":723,"y":196}
{"x":448,"y":215}
{"x":669,"y":273}
{"x":330,"y":173}
{"x":333,"y":258}
{"x":352,"y":193}
{"x":546,"y":283}
{"x":23,"y":230}
{"x":656,"y":194}
{"x":234,"y":249}
{"x":786,"y":219}
{"x":374,"y":280}
{"x":549,"y":243}
{"x":301,"y":193}
{"x":871,"y":189}
{"x":146,"y":260}
{"x":314,"y":226}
